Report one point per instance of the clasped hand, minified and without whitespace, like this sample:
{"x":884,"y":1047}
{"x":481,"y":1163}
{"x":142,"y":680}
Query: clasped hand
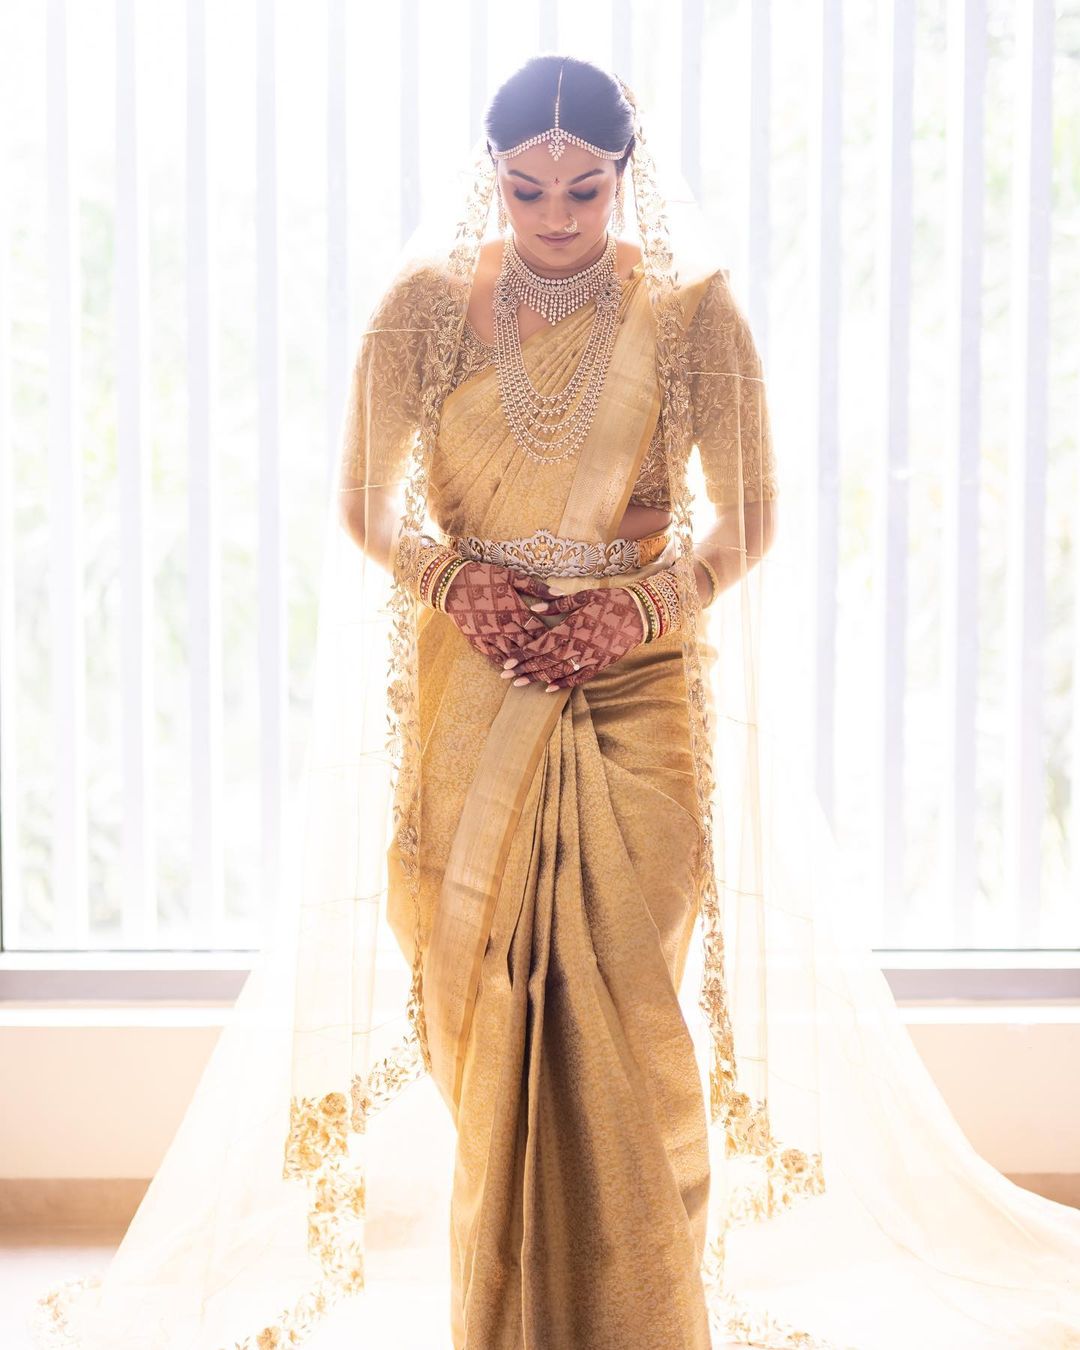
{"x":488,"y":605}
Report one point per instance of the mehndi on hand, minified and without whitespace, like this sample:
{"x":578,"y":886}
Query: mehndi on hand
{"x":484,"y":601}
{"x":601,"y":625}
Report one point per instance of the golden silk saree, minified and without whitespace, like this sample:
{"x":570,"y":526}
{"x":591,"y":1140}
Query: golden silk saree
{"x":559,"y":835}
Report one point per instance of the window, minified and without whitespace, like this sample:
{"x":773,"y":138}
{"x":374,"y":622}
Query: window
{"x":201,"y":200}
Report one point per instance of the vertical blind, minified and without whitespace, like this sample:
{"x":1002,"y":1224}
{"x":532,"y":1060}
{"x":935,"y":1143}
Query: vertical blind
{"x":199,"y":204}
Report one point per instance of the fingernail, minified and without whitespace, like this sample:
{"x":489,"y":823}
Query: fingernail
{"x":551,"y":688}
{"x":522,"y":679}
{"x":505,"y":674}
{"x":510,"y":661}
{"x":541,"y":606}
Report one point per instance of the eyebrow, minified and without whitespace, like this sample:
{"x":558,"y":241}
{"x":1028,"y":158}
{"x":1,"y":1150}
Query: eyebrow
{"x":518,"y":174}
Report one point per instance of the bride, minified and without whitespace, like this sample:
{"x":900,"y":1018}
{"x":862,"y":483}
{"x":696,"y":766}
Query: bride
{"x":555,"y":862}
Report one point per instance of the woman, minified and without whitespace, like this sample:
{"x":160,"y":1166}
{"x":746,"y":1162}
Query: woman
{"x":579,"y":955}
{"x":583,"y":774}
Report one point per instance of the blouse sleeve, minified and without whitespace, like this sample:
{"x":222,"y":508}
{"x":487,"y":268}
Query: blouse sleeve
{"x":729,"y":405}
{"x":383,"y":404}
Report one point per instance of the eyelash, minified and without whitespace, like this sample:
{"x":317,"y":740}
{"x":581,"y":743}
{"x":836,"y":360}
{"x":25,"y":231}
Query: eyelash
{"x":577,"y":196}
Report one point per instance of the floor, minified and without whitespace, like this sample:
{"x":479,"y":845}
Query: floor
{"x":30,"y":1261}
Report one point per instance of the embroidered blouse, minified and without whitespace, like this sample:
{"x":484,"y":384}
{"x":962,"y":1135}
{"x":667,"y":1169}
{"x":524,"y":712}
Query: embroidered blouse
{"x":729,"y":408}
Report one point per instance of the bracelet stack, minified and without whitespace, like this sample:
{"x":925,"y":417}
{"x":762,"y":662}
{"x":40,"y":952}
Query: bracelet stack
{"x":658,"y":596}
{"x":427,"y":568}
{"x":438,"y":566}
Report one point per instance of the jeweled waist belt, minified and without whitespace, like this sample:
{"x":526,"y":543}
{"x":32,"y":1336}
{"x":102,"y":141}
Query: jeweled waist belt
{"x":545,"y":554}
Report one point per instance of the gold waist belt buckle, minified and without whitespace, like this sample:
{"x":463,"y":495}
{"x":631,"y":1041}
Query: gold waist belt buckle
{"x":545,"y":554}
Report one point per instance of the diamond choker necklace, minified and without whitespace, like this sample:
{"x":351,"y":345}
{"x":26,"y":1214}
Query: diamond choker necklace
{"x":555,"y":297}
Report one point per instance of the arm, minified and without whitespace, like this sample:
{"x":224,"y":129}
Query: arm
{"x":733,"y":435}
{"x":730,"y":426}
{"x":749,"y":531}
{"x":382,"y":415}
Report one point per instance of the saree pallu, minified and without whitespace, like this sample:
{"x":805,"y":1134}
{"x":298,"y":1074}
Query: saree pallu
{"x":581,"y":1177}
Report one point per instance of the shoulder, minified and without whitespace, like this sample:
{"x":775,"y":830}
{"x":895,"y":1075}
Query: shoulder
{"x":628,"y":257}
{"x":411,"y":295}
{"x":704,"y":296}
{"x":718,"y":328}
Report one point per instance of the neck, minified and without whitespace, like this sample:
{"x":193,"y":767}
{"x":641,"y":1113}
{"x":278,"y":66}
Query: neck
{"x":544,"y":269}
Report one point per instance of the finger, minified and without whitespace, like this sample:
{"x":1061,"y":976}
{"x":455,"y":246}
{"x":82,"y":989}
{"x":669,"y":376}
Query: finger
{"x":540,"y":654}
{"x":525,"y":647}
{"x":563,"y":604}
{"x":538,"y":668}
{"x":563,"y":678}
{"x":556,"y":665}
{"x":530,"y":585}
{"x":523,"y":627}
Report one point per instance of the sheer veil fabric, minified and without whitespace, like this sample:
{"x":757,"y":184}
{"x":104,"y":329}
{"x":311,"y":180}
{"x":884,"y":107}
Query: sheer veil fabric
{"x":304,"y":1196}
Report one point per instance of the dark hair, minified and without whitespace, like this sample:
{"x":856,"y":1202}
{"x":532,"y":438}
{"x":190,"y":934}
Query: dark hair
{"x":591,"y":105}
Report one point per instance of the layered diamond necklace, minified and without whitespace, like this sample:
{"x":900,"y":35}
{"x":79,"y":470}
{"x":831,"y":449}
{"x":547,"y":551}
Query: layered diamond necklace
{"x":550,"y":427}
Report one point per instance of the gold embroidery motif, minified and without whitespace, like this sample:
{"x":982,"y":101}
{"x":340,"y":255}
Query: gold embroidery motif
{"x":651,"y":485}
{"x":51,"y":1323}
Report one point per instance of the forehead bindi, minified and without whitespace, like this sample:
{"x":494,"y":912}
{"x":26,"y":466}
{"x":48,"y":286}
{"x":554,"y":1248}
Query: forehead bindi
{"x":536,"y":168}
{"x":556,"y":181}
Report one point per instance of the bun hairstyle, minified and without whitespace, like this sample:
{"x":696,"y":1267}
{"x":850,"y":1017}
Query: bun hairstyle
{"x":591,"y":105}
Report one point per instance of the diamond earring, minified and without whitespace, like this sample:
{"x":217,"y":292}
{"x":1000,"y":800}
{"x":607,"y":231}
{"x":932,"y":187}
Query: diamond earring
{"x":502,"y":210}
{"x":618,"y":223}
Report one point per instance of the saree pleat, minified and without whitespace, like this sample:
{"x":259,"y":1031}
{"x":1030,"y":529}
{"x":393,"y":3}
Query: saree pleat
{"x":579,"y":1200}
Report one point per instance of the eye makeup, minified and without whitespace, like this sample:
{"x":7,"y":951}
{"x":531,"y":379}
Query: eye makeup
{"x":577,"y":196}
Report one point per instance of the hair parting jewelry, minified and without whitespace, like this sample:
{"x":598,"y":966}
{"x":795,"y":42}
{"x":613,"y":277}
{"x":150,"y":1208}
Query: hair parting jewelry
{"x":556,"y":139}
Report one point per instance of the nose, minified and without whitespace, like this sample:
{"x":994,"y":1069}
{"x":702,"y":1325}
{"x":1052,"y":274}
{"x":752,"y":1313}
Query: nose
{"x":565,"y":226}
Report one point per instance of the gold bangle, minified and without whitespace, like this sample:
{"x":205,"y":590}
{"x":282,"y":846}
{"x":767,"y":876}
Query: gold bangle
{"x":641,"y":610}
{"x":648,"y":605}
{"x":714,"y":580}
{"x":663,"y":589}
{"x":443,"y":586}
{"x":421,"y":563}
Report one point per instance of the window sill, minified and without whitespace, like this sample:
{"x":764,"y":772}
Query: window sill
{"x":1007,"y":985}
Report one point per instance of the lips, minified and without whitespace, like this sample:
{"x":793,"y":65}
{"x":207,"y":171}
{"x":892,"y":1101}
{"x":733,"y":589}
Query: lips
{"x":559,"y":238}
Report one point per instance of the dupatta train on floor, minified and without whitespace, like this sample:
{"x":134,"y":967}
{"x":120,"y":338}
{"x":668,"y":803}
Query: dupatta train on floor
{"x":567,"y":1035}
